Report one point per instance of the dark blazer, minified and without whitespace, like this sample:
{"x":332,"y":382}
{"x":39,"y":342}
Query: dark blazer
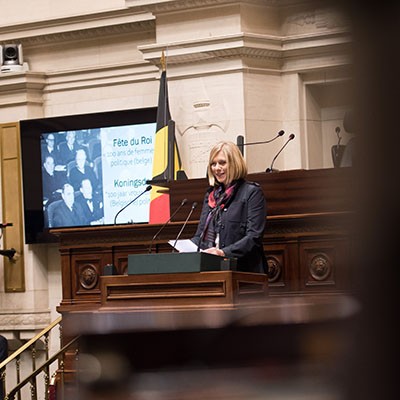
{"x":65,"y":154}
{"x":51,"y":183}
{"x":242,"y":227}
{"x":76,"y":177}
{"x":55,"y":154}
{"x":89,"y":215}
{"x":63,"y":216}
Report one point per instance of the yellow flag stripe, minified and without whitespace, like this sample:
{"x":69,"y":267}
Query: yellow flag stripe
{"x":160,"y":160}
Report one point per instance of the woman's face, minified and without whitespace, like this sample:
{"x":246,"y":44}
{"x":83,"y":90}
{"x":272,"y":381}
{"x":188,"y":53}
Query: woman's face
{"x":219,"y":168}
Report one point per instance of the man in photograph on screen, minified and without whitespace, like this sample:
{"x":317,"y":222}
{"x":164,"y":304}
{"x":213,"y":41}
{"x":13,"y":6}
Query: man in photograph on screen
{"x":68,"y":212}
{"x":52,"y":181}
{"x":91,"y":203}
{"x":94,"y":145}
{"x":81,"y":170}
{"x":68,"y":148}
{"x":49,"y":148}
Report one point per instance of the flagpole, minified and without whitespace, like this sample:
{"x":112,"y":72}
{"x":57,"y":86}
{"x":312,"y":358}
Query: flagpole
{"x":163,"y":63}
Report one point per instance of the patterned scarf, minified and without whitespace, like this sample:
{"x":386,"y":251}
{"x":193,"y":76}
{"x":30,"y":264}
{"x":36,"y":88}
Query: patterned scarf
{"x":216,"y":201}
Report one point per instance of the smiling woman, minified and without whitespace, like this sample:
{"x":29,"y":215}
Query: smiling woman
{"x":232,"y":220}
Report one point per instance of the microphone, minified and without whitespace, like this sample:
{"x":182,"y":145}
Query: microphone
{"x":123,"y":208}
{"x":184,"y":201}
{"x":240,"y":140}
{"x":5,"y":224}
{"x":10,"y":253}
{"x":194,"y":205}
{"x":271,"y":169}
{"x":337,"y":130}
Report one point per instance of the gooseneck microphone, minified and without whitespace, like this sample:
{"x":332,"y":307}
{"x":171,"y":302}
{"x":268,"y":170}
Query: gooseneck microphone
{"x":271,"y":169}
{"x":184,"y":201}
{"x":240,"y":140}
{"x":194,"y":205}
{"x":123,"y":208}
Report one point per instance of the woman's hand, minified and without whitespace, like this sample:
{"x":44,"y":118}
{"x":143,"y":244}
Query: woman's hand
{"x":215,"y":251}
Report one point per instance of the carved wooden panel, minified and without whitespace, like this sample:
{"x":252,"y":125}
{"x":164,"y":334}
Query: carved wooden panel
{"x":324,"y":265}
{"x":87,"y":267}
{"x":278,"y":261}
{"x":87,"y":273}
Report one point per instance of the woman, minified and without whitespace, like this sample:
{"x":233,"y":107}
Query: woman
{"x":233,"y":217}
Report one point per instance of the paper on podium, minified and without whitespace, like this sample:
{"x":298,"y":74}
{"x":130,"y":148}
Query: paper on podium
{"x":183,"y":245}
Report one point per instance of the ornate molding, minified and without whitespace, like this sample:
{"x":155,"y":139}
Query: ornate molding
{"x":164,"y":6}
{"x":79,"y":27}
{"x":100,"y":76}
{"x":85,"y":34}
{"x":239,"y":45}
{"x":273,"y":50}
{"x":31,"y":87}
{"x":24,"y":320}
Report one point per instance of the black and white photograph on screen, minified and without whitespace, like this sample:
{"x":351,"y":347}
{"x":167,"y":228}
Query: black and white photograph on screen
{"x":105,"y":168}
{"x":71,"y":158}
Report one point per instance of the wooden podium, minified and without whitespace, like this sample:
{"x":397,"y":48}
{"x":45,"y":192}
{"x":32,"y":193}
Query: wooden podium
{"x":211,"y":289}
{"x":181,"y":280}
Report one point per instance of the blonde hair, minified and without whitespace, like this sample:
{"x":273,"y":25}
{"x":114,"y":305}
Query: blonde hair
{"x":237,"y":168}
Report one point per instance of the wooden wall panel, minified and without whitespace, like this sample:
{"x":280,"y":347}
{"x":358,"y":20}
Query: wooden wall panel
{"x":14,"y":274}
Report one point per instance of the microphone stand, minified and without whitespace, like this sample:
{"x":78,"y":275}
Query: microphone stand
{"x":184,"y":201}
{"x":280,"y":133}
{"x":123,"y":208}
{"x":194,"y":205}
{"x":271,"y":169}
{"x":240,"y":141}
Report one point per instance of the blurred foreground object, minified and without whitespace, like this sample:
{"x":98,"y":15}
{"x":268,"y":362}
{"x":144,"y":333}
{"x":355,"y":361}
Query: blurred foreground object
{"x":288,"y":348}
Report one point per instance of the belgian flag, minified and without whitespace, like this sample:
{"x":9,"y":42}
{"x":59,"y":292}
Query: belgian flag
{"x":166,"y":160}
